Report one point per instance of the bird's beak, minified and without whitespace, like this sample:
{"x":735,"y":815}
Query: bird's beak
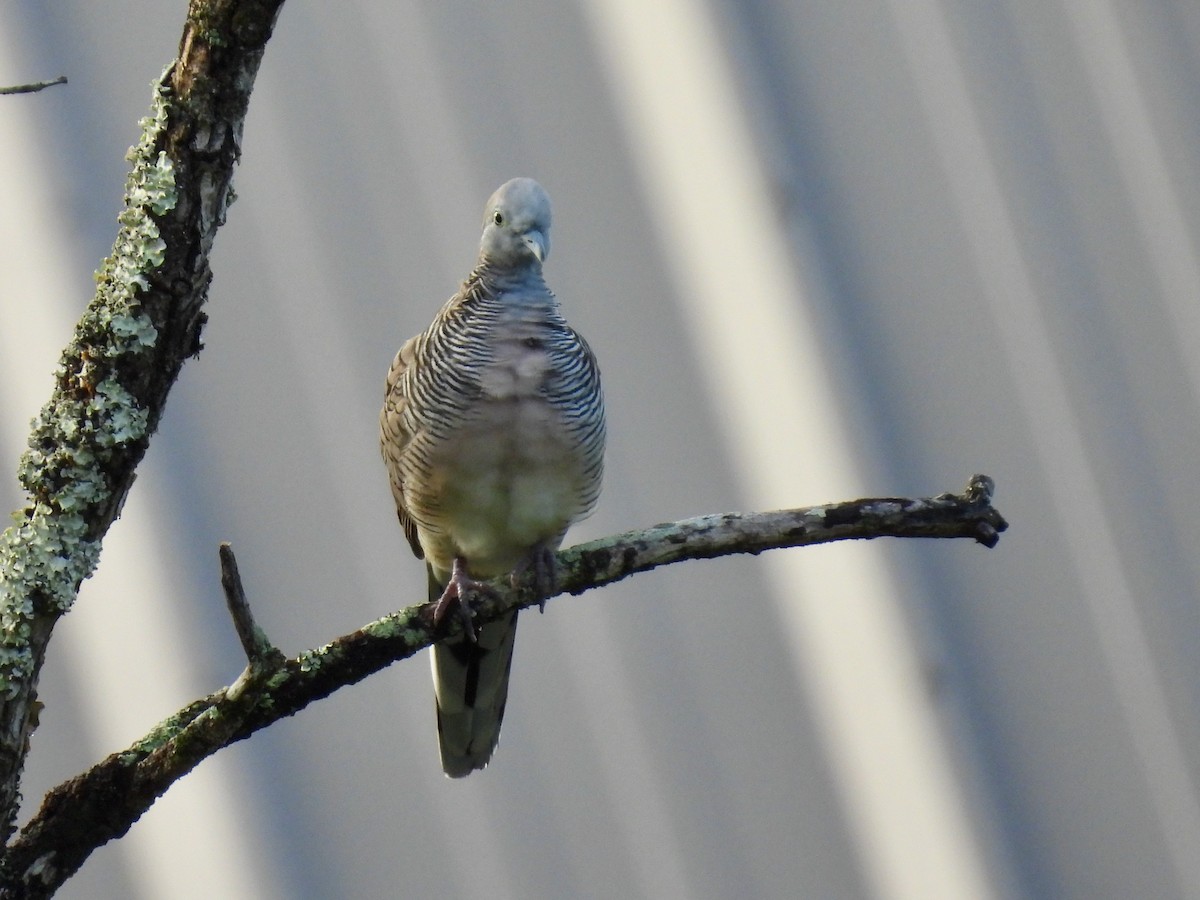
{"x":537,"y":244}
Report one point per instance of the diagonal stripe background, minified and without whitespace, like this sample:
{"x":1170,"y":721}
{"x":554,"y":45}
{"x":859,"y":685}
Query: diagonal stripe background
{"x":822,"y":251}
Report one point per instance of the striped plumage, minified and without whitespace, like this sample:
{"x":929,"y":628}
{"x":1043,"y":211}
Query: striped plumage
{"x":493,"y":435}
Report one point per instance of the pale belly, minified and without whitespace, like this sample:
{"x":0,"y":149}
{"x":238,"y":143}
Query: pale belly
{"x":505,"y":485}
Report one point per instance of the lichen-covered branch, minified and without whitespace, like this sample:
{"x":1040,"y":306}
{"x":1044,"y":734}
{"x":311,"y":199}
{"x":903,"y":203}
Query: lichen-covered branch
{"x":143,"y":322}
{"x":101,"y":804}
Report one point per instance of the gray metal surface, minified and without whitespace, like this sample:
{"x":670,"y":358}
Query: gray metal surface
{"x":986,"y":220}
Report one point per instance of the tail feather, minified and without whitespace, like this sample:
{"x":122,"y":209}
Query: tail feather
{"x":470,"y":686}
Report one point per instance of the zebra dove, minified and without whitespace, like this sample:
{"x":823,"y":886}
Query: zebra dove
{"x":492,"y":432}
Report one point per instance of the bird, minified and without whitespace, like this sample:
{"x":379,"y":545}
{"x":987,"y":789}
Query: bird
{"x":493,"y":434}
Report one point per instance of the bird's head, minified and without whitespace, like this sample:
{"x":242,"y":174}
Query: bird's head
{"x":516,"y":225}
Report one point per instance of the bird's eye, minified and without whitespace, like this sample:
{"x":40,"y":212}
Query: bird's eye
{"x":498,"y":217}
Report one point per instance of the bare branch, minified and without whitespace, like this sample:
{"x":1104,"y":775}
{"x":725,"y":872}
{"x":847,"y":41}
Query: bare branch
{"x":258,"y":648}
{"x":101,"y":804}
{"x":33,"y":87}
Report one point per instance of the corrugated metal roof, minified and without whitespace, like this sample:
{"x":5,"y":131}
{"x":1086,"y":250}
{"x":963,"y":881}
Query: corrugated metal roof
{"x":820,"y":249}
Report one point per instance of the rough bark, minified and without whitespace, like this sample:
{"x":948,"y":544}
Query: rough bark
{"x":113,"y":380}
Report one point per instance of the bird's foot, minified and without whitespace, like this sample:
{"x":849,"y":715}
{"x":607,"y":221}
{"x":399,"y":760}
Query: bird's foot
{"x":542,"y":562}
{"x":457,"y":596}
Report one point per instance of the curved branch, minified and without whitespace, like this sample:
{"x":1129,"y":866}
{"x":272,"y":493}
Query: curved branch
{"x":101,"y":804}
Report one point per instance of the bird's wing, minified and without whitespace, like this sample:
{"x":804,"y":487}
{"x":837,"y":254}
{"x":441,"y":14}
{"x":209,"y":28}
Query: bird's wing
{"x":394,"y":436}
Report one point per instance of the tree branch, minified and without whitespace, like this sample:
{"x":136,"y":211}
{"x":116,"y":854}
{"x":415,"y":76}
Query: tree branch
{"x":260,"y":653}
{"x":142,"y":324}
{"x":32,"y":88}
{"x":84,"y":813}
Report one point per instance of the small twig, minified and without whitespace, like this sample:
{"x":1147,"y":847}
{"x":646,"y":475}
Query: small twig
{"x":34,"y":87}
{"x":260,"y":652}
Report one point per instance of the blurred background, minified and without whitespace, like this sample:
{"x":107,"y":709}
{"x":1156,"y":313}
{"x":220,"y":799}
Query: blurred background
{"x":823,"y":251}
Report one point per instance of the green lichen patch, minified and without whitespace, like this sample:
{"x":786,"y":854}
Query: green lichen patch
{"x":115,"y":317}
{"x":90,"y":420}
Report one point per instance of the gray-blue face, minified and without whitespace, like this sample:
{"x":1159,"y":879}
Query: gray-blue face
{"x":516,"y":225}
